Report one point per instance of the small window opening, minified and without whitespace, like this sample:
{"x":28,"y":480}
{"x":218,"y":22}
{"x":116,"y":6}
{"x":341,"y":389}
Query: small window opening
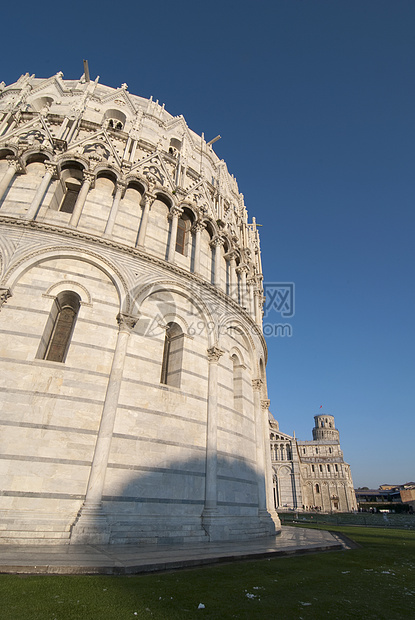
{"x":317,"y":488}
{"x":59,"y":328}
{"x":172,"y":356}
{"x":183,"y":226}
{"x":70,"y":197}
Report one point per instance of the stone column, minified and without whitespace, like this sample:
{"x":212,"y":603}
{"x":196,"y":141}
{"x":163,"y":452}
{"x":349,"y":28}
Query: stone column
{"x":258,"y":300}
{"x":4,"y":122}
{"x":127,"y":148}
{"x":233,"y":283}
{"x":5,"y":293}
{"x":269,"y":489}
{"x":91,"y":525}
{"x":148,"y":201}
{"x":174,"y":214}
{"x":217,"y":243}
{"x":250,"y":288}
{"x":214,"y":355}
{"x":41,"y":191}
{"x":80,"y":201}
{"x":63,"y":127}
{"x":197,"y":230}
{"x":8,"y":176}
{"x":260,"y":456}
{"x":242,"y":270}
{"x":133,"y":150}
{"x":120,"y":188}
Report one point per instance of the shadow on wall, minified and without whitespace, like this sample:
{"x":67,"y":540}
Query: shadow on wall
{"x":164,"y":504}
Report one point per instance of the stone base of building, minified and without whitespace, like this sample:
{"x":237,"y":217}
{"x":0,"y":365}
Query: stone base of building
{"x":224,"y":527}
{"x":97,"y":528}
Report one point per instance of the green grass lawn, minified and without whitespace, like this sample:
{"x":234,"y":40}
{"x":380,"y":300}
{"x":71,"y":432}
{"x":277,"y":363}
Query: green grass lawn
{"x":376,"y":580}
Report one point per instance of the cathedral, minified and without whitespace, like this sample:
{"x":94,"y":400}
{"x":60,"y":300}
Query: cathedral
{"x":134,"y":402}
{"x":311,"y":475}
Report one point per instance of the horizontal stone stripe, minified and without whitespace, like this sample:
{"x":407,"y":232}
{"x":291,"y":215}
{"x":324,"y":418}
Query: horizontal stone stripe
{"x":186,"y":371}
{"x":235,"y":412}
{"x":11,"y":306}
{"x":20,"y":334}
{"x":43,"y":459}
{"x":161,"y":386}
{"x":36,"y":495}
{"x":31,"y":287}
{"x":77,"y":399}
{"x":241,"y":480}
{"x":159,"y":441}
{"x":163,"y":414}
{"x":99,"y":324}
{"x":45,"y":267}
{"x":141,"y":358}
{"x":49,"y":427}
{"x":158,"y":470}
{"x":150,"y":500}
{"x":49,"y":364}
{"x":225,"y":387}
{"x":104,"y":302}
{"x":231,"y":456}
{"x":240,"y":504}
{"x":96,"y":347}
{"x":232,"y":432}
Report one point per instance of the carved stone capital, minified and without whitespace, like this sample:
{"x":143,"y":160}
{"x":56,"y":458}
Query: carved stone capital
{"x":122,"y":185}
{"x":257,"y":385}
{"x":5,"y":293}
{"x":265,"y":403}
{"x":175,"y":212}
{"x":231,"y":256}
{"x":89,"y":177}
{"x":126,"y":322}
{"x":214,"y":354}
{"x":242,"y":269}
{"x":217,"y":241}
{"x":148,"y":200}
{"x":14,"y":163}
{"x":198,"y":227}
{"x":52,"y":168}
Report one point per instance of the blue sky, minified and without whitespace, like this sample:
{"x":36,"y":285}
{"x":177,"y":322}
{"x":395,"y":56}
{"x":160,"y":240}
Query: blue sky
{"x":314,"y":100}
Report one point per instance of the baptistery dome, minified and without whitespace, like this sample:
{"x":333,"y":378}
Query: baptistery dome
{"x":134,"y":403}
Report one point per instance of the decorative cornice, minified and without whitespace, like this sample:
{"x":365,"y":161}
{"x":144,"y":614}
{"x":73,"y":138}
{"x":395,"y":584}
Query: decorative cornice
{"x":139,"y":253}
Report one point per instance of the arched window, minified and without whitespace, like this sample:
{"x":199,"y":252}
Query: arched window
{"x":59,"y":327}
{"x":317,"y":488}
{"x":171,"y":368}
{"x":183,"y":227}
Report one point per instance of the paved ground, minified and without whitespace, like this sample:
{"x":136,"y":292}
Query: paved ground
{"x":130,"y":559}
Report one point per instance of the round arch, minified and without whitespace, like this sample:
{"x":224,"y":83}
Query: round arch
{"x":142,"y":292}
{"x":16,"y":271}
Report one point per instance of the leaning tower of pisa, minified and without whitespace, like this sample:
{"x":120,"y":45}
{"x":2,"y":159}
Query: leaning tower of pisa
{"x":132,"y":361}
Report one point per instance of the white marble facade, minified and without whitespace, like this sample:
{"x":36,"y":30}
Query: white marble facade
{"x":132,"y":361}
{"x":311,"y":475}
